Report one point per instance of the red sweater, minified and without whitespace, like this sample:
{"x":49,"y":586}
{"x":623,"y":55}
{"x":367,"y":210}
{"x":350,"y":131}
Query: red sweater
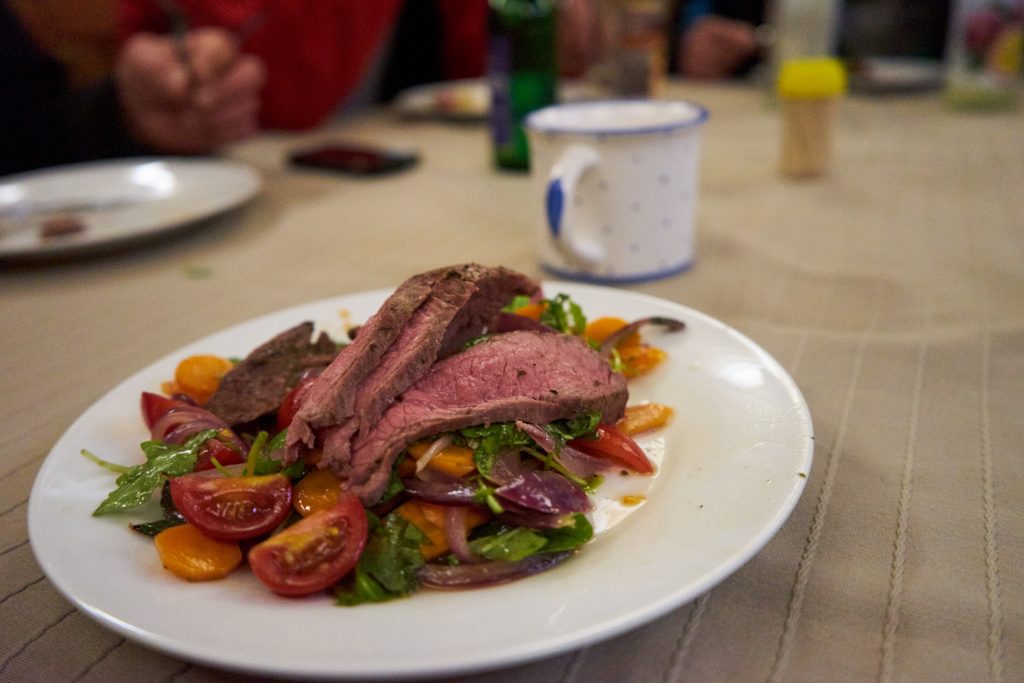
{"x":317,"y":51}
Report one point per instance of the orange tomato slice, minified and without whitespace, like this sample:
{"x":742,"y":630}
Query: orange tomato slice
{"x":644,"y":417}
{"x":190,"y":554}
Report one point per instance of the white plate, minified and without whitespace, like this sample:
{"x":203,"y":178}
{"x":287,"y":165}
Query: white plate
{"x":119,"y":202}
{"x":736,"y":458}
{"x":469,"y":100}
{"x":461,"y":100}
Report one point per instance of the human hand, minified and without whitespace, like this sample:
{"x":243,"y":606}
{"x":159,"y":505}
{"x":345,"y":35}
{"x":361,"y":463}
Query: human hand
{"x":193,"y":107}
{"x":714,"y":47}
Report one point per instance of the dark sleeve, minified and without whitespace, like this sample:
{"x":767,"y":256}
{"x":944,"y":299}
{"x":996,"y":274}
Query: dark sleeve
{"x":43,"y":121}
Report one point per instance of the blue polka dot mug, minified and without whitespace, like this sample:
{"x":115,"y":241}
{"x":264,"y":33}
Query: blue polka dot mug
{"x":619,"y":186}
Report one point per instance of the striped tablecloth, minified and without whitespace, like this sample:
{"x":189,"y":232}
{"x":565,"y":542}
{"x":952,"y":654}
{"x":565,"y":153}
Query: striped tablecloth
{"x":892,"y":291}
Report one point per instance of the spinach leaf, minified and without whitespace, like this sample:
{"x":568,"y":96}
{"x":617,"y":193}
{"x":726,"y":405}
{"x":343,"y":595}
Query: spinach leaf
{"x":567,"y":430}
{"x":488,"y":441}
{"x":136,"y":486}
{"x":156,"y":526}
{"x":570,"y":536}
{"x":518,"y":301}
{"x":517,"y":543}
{"x":512,"y":544}
{"x":388,"y":566}
{"x":394,"y":485}
{"x":564,"y":315}
{"x":266,"y":459}
{"x":360,"y":588}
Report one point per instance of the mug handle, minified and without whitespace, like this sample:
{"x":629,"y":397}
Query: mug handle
{"x":558,"y":204}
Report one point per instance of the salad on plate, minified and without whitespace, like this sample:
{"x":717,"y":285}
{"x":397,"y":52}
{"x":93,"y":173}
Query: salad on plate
{"x":470,"y":432}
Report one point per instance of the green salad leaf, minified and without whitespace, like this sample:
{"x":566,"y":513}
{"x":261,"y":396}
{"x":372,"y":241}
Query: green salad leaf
{"x":388,"y":566}
{"x":136,"y":486}
{"x":564,"y":315}
{"x":567,"y":430}
{"x":561,"y":313}
{"x":569,"y":536}
{"x":265,"y":457}
{"x":155,"y":527}
{"x":517,"y":543}
{"x":487,"y":441}
{"x":512,"y":544}
{"x":518,"y":301}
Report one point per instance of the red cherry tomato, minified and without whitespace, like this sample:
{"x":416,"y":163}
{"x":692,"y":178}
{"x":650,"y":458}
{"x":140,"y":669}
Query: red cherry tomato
{"x":232,"y":508}
{"x":215,"y":448}
{"x":613,"y":445}
{"x":292,"y":401}
{"x":314,"y":553}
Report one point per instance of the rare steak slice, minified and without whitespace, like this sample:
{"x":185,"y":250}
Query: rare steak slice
{"x":430,"y":316}
{"x":258,"y":384}
{"x":531,"y":376}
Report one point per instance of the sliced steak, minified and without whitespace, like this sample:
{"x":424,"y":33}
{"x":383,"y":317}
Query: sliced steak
{"x":524,"y":375}
{"x":257,"y":385}
{"x":430,"y":316}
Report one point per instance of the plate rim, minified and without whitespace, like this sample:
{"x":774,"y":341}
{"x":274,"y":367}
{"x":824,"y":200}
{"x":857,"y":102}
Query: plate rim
{"x":523,"y":653}
{"x":151,"y":230}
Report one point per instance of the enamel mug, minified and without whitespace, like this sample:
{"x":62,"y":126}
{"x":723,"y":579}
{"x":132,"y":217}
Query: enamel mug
{"x":618,"y":187}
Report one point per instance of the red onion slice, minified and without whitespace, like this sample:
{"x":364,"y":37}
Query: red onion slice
{"x":575,"y":461}
{"x":539,"y":435}
{"x":183,"y":433}
{"x":545,"y":491}
{"x":170,"y":421}
{"x":180,"y":424}
{"x":514,"y":514}
{"x":670,"y":324}
{"x":506,"y":467}
{"x":435,"y":448}
{"x":454,"y":577}
{"x":446,"y":490}
{"x":455,"y":532}
{"x":581,"y":464}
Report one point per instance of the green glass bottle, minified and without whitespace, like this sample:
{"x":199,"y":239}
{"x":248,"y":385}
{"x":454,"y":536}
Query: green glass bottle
{"x":522,"y":71}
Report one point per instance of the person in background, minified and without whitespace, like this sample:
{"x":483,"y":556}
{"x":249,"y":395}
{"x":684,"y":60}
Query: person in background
{"x":317,"y":56}
{"x":241,"y":66}
{"x":57,"y":111}
{"x":718,"y":38}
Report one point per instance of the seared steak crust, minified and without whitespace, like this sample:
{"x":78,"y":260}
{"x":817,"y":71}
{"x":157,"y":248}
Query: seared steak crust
{"x":257,"y":385}
{"x":524,"y":375}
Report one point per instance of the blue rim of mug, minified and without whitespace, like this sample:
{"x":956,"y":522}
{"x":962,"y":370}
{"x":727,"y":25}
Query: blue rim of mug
{"x":617,"y":279}
{"x":701,"y":116}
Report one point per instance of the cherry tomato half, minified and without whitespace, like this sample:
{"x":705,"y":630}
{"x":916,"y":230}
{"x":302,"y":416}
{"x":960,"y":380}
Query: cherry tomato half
{"x":613,"y":445}
{"x":291,"y":402}
{"x":232,"y":508}
{"x":215,"y":448}
{"x":315,"y":552}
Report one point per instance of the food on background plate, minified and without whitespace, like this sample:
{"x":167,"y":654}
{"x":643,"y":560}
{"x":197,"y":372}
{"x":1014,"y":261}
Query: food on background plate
{"x":460,"y":440}
{"x":61,"y":225}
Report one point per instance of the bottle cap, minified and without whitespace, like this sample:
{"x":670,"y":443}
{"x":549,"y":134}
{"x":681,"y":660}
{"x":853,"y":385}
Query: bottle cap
{"x":811,"y":78}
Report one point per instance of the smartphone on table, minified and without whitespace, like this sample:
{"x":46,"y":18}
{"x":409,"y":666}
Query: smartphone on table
{"x":354,"y":159}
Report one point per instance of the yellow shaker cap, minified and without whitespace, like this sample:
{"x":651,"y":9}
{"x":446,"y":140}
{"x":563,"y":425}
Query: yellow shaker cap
{"x":811,"y":78}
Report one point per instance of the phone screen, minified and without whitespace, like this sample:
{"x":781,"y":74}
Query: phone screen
{"x":359,"y":160}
